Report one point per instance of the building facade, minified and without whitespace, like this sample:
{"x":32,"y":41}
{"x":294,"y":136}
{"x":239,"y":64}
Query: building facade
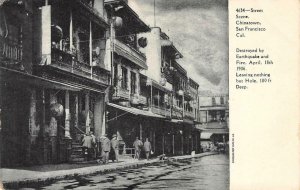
{"x":214,"y":117}
{"x":100,"y":69}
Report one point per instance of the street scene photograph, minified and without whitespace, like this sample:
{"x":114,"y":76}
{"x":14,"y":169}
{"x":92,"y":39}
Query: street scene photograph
{"x":114,"y":94}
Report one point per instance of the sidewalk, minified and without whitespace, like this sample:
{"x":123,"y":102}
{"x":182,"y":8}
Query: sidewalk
{"x":14,"y":178}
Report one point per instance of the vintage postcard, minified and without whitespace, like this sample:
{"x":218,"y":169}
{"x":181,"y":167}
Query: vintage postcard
{"x":149,"y":94}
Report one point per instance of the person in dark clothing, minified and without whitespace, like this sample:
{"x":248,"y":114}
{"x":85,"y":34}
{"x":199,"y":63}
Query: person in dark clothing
{"x":105,"y":146}
{"x":147,"y":148}
{"x":115,"y":146}
{"x":137,"y":147}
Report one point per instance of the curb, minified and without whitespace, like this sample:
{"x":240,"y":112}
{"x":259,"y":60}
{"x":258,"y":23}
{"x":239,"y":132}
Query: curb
{"x":51,"y":179}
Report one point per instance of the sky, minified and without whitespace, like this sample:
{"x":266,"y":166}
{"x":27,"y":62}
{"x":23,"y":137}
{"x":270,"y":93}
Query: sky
{"x":199,"y":30}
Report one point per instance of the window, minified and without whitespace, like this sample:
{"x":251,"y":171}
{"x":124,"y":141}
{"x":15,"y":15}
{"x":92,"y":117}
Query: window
{"x":213,"y":99}
{"x":222,"y":100}
{"x":133,"y":83}
{"x":124,"y":78}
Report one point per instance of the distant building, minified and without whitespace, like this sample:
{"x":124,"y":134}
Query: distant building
{"x":214,"y":117}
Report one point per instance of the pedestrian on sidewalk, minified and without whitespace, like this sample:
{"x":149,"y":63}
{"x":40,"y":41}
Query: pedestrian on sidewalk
{"x":147,"y":148}
{"x":137,"y":147}
{"x":94,"y":144}
{"x":87,"y":145}
{"x":105,"y":146}
{"x":115,"y":146}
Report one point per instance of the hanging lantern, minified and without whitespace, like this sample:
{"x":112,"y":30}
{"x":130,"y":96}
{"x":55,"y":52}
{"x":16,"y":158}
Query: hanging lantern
{"x":142,"y":42}
{"x":118,"y":22}
{"x":148,"y":82}
{"x":56,"y":110}
{"x":120,"y":77}
{"x":57,"y":33}
{"x":163,"y":81}
{"x":180,"y":92}
{"x":166,"y":98}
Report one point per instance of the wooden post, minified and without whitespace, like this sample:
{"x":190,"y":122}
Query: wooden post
{"x":151,"y":97}
{"x":173,"y":144}
{"x":128,"y":79}
{"x":182,"y":142}
{"x":91,"y":49}
{"x":141,"y":130}
{"x":87,"y":110}
{"x":67,"y":115}
{"x":158,"y":98}
{"x":71,"y":30}
{"x":154,"y":141}
{"x":76,"y":112}
{"x":163,"y":143}
{"x":137,"y":84}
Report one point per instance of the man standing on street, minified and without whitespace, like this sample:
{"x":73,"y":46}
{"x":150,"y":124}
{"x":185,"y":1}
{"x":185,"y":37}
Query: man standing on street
{"x":115,"y":146}
{"x":137,"y":146}
{"x":147,"y":148}
{"x":105,"y":146}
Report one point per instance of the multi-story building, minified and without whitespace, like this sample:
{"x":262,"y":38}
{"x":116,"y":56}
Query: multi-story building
{"x":67,"y":88}
{"x":171,"y":95}
{"x":214,"y":114}
{"x":100,"y":69}
{"x":125,"y":115}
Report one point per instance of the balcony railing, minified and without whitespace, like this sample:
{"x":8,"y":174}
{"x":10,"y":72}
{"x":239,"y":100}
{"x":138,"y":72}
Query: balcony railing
{"x":176,"y":113}
{"x":67,"y":62}
{"x":161,"y":111}
{"x":88,"y":5}
{"x":189,"y":115}
{"x":121,"y":93}
{"x":130,"y":53}
{"x":10,"y":53}
{"x":142,"y":100}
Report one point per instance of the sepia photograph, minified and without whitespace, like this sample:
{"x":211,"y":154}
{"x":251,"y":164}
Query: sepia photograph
{"x":114,"y":94}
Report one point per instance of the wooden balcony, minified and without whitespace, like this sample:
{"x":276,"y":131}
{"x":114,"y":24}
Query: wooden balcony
{"x":189,"y":115}
{"x":138,"y":99}
{"x":176,"y":113}
{"x":130,"y":53}
{"x":143,"y":100}
{"x":121,"y":94}
{"x":67,"y":62}
{"x":10,"y":53}
{"x":161,"y":111}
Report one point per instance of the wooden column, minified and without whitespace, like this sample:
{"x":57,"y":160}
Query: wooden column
{"x":154,"y":142}
{"x":71,"y":30}
{"x":87,"y":111}
{"x":91,"y":49}
{"x":163,"y":142}
{"x":182,"y":142}
{"x":128,"y":79}
{"x":53,"y":129}
{"x":76,"y":111}
{"x":141,"y":130}
{"x":138,"y":83}
{"x":98,"y":115}
{"x":67,"y":115}
{"x":119,"y":68}
{"x":173,"y":143}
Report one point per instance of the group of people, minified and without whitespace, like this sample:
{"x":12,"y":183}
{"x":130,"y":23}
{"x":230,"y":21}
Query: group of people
{"x":90,"y":147}
{"x":138,"y":145}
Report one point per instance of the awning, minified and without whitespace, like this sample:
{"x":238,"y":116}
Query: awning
{"x":135,"y":111}
{"x":205,"y":135}
{"x":214,"y":131}
{"x":20,"y":78}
